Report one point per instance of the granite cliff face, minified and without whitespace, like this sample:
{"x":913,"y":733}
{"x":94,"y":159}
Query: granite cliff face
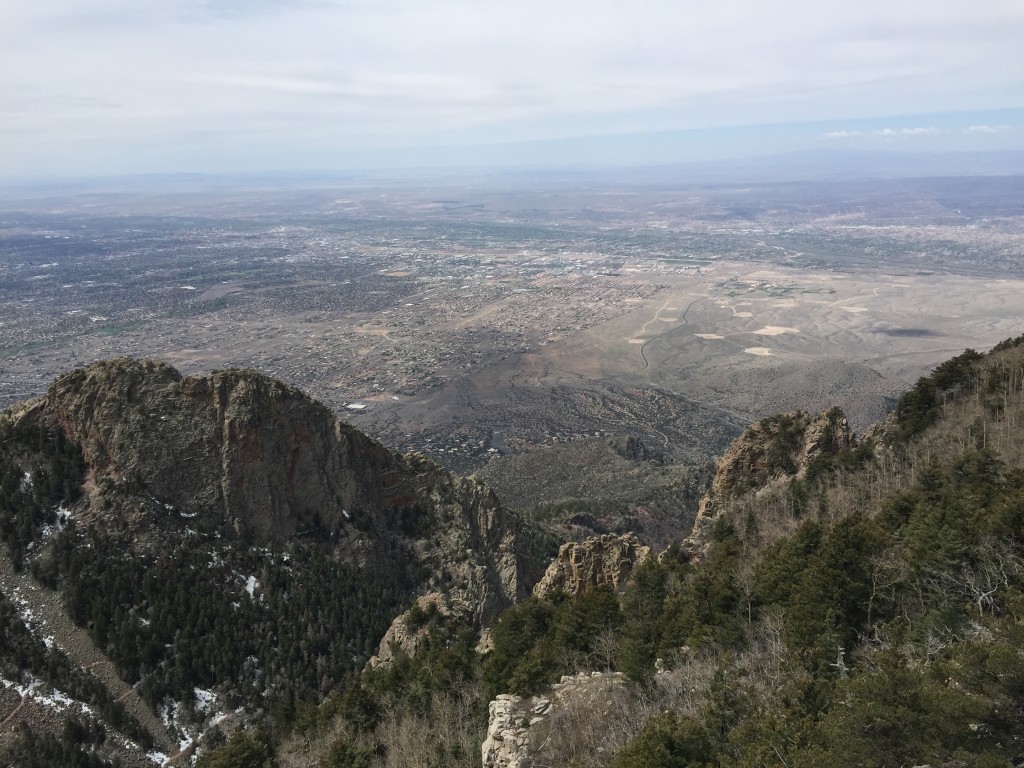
{"x":580,"y":567}
{"x":233,"y":447}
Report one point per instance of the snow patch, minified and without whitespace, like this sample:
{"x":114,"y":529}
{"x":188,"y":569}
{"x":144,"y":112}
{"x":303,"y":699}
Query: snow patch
{"x":28,"y":617}
{"x":56,"y":700}
{"x":63,"y":518}
{"x":169,"y":712}
{"x":204,"y":699}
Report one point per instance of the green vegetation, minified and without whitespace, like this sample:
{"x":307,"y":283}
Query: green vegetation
{"x":74,"y":749}
{"x":39,"y":470}
{"x":668,"y":741}
{"x":537,"y":641}
{"x":903,"y":633}
{"x":170,"y":625}
{"x":24,"y":657}
{"x":921,"y":407}
{"x":890,"y":634}
{"x":896,"y":628}
{"x":786,"y":431}
{"x":242,"y":751}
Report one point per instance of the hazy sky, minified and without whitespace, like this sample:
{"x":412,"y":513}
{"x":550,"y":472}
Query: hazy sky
{"x":122,"y":86}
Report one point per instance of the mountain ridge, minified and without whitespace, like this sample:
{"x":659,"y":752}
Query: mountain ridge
{"x":829,"y":582}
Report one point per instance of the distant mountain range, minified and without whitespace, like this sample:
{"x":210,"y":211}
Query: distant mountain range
{"x":808,"y":165}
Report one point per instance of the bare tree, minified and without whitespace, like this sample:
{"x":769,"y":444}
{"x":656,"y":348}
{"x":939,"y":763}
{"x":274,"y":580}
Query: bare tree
{"x":606,"y":646}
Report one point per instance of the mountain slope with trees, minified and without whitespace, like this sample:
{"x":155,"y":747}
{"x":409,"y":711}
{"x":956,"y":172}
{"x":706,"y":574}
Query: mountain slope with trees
{"x":843,"y":601}
{"x":863,"y":606}
{"x":232,"y":549}
{"x":861,"y":603}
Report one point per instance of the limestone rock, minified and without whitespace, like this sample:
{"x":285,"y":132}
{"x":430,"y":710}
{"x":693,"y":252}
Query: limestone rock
{"x":507,"y":741}
{"x":579,"y":567}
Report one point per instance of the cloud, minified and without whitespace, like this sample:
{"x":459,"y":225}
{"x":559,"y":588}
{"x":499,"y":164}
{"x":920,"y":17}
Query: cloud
{"x":359,"y":74}
{"x":892,"y":133}
{"x":987,"y":129}
{"x":295,"y":85}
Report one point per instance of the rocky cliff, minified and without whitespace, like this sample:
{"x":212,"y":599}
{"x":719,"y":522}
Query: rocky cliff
{"x":234,"y":447}
{"x":776,"y":447}
{"x":228,"y":510}
{"x":518,"y":726}
{"x":772,"y":451}
{"x":240,"y":452}
{"x":581,"y":566}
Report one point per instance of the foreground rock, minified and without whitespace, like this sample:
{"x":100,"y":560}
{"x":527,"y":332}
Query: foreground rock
{"x":516,"y":725}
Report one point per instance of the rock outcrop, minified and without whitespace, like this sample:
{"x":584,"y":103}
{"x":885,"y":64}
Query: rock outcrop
{"x":779,"y":446}
{"x":233,"y":447}
{"x":828,"y":433}
{"x":515,"y":723}
{"x":634,"y":449}
{"x":776,"y":449}
{"x":579,"y":567}
{"x":409,"y":631}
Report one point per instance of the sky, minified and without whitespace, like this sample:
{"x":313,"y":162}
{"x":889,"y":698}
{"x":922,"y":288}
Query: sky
{"x":108,"y":87}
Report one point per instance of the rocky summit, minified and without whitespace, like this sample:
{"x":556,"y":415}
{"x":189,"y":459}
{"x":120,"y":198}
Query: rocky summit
{"x":234,"y":447}
{"x":242,"y":453}
{"x":774,"y":450}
